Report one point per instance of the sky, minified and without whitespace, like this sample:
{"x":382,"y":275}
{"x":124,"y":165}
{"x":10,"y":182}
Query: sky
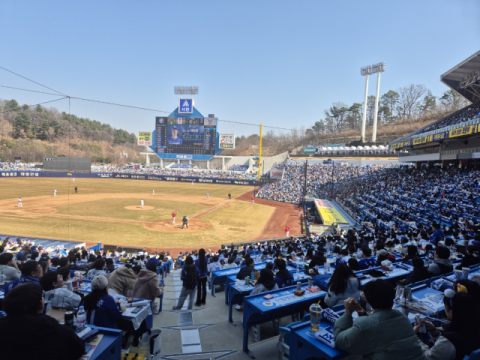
{"x":280,"y":63}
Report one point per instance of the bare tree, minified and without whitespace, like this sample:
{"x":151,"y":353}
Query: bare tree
{"x":409,"y":96}
{"x":5,"y":128}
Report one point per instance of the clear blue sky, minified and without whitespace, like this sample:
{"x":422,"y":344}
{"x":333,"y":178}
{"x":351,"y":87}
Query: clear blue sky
{"x":277,"y":62}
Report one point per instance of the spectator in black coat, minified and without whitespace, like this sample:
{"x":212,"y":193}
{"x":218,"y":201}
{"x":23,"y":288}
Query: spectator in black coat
{"x":419,"y":273}
{"x":26,"y":325}
{"x":469,"y":259}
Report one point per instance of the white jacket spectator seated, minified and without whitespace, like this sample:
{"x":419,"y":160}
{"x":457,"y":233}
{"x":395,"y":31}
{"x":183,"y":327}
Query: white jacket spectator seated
{"x":9,"y":268}
{"x":97,"y":270}
{"x":265,"y":282}
{"x":56,"y":294}
{"x":342,"y":285}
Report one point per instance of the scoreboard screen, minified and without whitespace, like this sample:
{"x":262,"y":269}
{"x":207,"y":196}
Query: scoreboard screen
{"x":175,"y":135}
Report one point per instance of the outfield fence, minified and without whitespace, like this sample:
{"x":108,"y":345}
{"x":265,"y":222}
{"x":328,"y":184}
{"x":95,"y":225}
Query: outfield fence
{"x":103,"y":175}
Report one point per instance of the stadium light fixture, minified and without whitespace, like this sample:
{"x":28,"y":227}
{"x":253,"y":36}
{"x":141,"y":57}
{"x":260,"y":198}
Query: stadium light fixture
{"x":186,"y":90}
{"x":366,"y":71}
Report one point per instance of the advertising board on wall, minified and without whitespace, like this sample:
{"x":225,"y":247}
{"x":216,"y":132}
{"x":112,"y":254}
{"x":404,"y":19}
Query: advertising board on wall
{"x":226,"y":141}
{"x":144,"y":138}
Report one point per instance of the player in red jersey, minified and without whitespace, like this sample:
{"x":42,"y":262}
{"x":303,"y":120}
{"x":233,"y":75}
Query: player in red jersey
{"x":174,"y":215}
{"x":287,"y":231}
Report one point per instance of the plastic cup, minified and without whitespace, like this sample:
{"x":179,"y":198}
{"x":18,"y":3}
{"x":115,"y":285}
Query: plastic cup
{"x":130,"y":296}
{"x":458,"y":274}
{"x":315,"y":317}
{"x":465,"y":272}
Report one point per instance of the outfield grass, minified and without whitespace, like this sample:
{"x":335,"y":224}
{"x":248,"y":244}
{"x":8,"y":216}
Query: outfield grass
{"x":233,"y":221}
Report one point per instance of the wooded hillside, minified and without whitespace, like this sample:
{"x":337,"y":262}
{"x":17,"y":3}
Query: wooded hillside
{"x":33,"y":132}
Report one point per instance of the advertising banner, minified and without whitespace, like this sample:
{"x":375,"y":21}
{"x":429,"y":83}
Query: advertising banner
{"x":328,"y":213}
{"x":276,"y":172}
{"x":51,"y":174}
{"x":226,"y":141}
{"x":467,"y":130}
{"x":144,"y":138}
{"x":441,"y":136}
{"x":420,"y":140}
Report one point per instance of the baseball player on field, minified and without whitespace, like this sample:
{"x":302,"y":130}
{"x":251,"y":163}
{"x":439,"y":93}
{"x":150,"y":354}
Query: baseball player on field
{"x":153,"y":191}
{"x":20,"y":202}
{"x":208,"y":196}
{"x":142,"y":202}
{"x":174,"y":215}
{"x":54,"y":192}
{"x":287,"y":231}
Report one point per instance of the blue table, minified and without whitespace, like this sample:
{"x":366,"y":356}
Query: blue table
{"x":397,"y":273}
{"x":258,"y":310}
{"x":110,"y":347}
{"x":235,"y":294}
{"x":303,"y":345}
{"x":220,"y":277}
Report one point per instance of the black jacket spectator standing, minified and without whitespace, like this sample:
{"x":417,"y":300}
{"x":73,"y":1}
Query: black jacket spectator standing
{"x":27,"y":334}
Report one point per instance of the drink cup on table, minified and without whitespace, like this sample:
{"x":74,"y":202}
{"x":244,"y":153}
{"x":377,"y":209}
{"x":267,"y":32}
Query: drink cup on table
{"x":465,"y":272}
{"x":130,"y":296}
{"x":458,"y":274}
{"x":315,"y":317}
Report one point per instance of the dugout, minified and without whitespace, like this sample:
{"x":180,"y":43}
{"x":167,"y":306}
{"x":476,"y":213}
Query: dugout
{"x":52,"y":163}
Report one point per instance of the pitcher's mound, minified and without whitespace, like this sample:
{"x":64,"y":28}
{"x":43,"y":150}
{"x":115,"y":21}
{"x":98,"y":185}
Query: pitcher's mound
{"x":139,"y":208}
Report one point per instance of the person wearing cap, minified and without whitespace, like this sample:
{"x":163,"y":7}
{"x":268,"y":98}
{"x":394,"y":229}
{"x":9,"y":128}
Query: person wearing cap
{"x":174,"y":139}
{"x":101,"y":306}
{"x":27,"y":334}
{"x":146,"y":286}
{"x":463,"y":334}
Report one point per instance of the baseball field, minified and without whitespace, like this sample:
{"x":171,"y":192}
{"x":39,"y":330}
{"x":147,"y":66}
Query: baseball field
{"x":109,"y":211}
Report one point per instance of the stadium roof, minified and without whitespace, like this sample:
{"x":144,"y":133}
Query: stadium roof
{"x":465,"y":78}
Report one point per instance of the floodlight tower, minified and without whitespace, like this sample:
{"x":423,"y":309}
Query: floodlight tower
{"x":377,"y":68}
{"x":366,"y":71}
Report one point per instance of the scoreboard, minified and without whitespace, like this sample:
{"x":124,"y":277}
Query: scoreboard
{"x":176,"y":135}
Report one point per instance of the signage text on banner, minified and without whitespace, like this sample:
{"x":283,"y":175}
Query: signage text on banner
{"x":144,"y":138}
{"x":226,"y":141}
{"x":328,"y":213}
{"x":467,"y":130}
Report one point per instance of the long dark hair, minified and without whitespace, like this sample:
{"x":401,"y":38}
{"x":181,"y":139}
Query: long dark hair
{"x":202,"y":261}
{"x":339,"y":281}
{"x":465,"y":313}
{"x":91,"y":300}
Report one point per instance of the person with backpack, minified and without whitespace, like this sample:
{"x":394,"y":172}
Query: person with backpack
{"x":189,"y":276}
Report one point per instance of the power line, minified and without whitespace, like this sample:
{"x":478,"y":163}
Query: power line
{"x":116,"y":104}
{"x":10,"y":71}
{"x":46,"y":102}
{"x":35,"y":91}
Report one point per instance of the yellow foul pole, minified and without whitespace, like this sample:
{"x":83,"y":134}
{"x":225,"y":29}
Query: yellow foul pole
{"x":260,"y":154}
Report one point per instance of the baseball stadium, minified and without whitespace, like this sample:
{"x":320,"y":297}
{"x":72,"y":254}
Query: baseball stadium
{"x":277,"y":233}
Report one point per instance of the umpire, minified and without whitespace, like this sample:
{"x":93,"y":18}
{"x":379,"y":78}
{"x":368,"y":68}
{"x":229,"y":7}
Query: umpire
{"x":185,"y":222}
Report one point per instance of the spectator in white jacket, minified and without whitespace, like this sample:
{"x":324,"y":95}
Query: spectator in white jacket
{"x":9,"y":267}
{"x":56,"y":294}
{"x":230,"y":264}
{"x":342,"y":285}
